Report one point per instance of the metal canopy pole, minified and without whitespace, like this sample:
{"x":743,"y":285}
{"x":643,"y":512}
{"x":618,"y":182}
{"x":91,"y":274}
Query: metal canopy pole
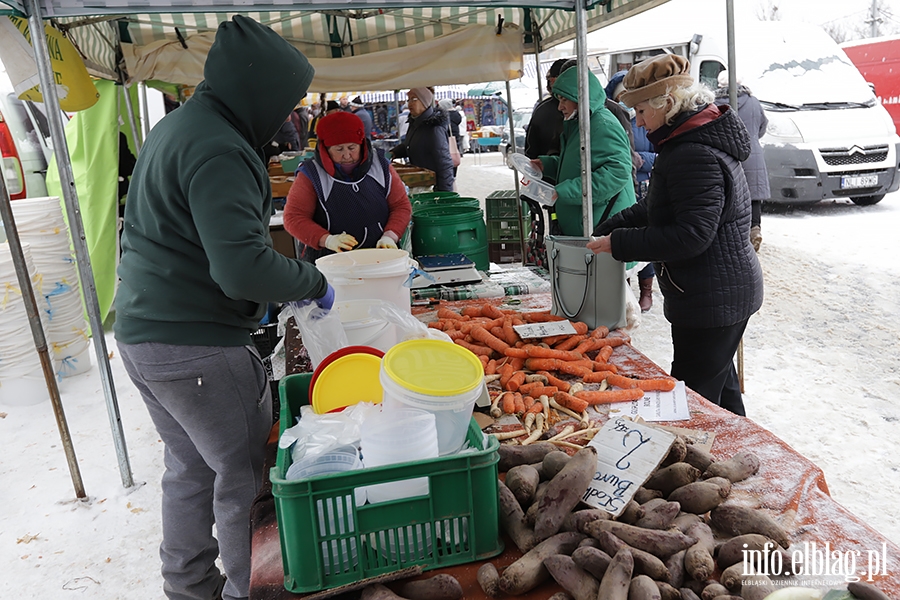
{"x":732,"y":70}
{"x":145,"y":111}
{"x":584,"y":116}
{"x":512,"y":144}
{"x":82,"y":258}
{"x":132,"y":121}
{"x":40,"y":340}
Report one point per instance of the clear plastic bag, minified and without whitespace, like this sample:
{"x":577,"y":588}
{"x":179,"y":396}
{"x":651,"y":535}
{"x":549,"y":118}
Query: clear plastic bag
{"x":320,"y":329}
{"x":408,"y":327}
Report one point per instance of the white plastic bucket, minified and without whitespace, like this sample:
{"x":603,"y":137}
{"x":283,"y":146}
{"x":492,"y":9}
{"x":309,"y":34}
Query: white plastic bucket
{"x":24,"y":389}
{"x":370,"y":273}
{"x":362,"y":328}
{"x":439,"y":377}
{"x":397,"y":436}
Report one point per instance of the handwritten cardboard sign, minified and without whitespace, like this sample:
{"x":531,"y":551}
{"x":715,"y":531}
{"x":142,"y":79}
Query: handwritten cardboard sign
{"x":550,"y":328}
{"x":627,"y":453}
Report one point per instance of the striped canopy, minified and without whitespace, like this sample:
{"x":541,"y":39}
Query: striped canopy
{"x":323,"y":29}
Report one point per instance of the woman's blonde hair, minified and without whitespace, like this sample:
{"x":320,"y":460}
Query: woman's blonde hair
{"x":683,"y":99}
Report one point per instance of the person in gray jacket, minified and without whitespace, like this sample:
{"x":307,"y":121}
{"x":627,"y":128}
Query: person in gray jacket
{"x":751,"y":113}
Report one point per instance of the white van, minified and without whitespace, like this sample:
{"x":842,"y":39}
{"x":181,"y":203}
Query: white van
{"x":828,"y":136}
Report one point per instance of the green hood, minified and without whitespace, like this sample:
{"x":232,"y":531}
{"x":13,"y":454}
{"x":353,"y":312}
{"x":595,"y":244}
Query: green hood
{"x":567,"y":87}
{"x":255,"y":92}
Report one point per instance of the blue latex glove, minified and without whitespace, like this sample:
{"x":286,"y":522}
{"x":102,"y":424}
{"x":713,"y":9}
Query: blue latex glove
{"x":327,"y":300}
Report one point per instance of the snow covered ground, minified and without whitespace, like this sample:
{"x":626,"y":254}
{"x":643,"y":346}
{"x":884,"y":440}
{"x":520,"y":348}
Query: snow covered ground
{"x":821,"y":372}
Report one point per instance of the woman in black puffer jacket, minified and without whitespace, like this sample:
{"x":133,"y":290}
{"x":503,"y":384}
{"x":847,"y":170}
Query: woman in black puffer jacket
{"x":427,"y":143}
{"x":694,"y":224}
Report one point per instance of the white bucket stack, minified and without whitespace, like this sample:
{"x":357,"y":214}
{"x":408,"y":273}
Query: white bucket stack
{"x":21,"y":377}
{"x":40,"y":224}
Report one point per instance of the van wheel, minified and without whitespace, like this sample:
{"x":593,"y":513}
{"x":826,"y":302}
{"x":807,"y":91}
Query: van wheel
{"x":867,"y":200}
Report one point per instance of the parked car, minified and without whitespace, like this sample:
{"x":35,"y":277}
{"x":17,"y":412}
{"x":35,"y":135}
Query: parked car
{"x":25,"y":146}
{"x":521,"y":118}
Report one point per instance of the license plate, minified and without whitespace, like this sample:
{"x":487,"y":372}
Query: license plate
{"x":858,"y":181}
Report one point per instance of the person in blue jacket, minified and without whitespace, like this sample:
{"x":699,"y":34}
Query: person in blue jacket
{"x":647,"y":154}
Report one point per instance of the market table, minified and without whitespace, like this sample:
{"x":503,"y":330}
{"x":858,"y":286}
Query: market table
{"x":788,"y":485}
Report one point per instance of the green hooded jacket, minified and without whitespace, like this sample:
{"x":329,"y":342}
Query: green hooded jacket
{"x":610,"y":158}
{"x":197,"y":264}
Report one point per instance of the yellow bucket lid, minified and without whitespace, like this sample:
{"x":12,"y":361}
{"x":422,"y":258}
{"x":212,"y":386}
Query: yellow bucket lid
{"x":433,"y":367}
{"x":348,"y":380}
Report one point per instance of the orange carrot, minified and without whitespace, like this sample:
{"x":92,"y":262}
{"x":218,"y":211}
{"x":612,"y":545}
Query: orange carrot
{"x":622,"y":382}
{"x":489,"y":310}
{"x":580,"y":328}
{"x":571,"y":402}
{"x":516,"y":352}
{"x":530,"y":388}
{"x":491,"y":367}
{"x":597,"y":376}
{"x":601,"y":332}
{"x":439,"y":324}
{"x":609,"y":396}
{"x":506,"y":371}
{"x":602,"y":366}
{"x":455,"y":334}
{"x":509,"y":333}
{"x":604,"y":354}
{"x":446,"y":313}
{"x":554,"y":364}
{"x":570,"y":343}
{"x":541,"y":352}
{"x":520,"y":403}
{"x":652,"y":385}
{"x":611,"y":341}
{"x":515,"y":380}
{"x":517,"y":362}
{"x":488,"y":339}
{"x":537,"y":407}
{"x":508,"y":403}
{"x":484,"y":361}
{"x":573,"y":369}
{"x":475,"y":349}
{"x":586,"y":345}
{"x":529,"y":402}
{"x":540,"y":316}
{"x":471,"y":311}
{"x":555,"y":381}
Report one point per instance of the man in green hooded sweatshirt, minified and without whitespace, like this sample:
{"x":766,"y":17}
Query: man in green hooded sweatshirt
{"x":611,"y":183}
{"x":197,"y":272}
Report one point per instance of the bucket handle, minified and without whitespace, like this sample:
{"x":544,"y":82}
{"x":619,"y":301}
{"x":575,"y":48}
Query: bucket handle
{"x":588,"y":259}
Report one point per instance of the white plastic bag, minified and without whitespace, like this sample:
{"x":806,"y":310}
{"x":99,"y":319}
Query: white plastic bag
{"x":320,"y":329}
{"x":408,"y":327}
{"x":315,"y":434}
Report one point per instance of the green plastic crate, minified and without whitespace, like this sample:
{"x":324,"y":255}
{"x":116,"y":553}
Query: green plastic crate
{"x":459,"y":517}
{"x":501,"y":204}
{"x":503,"y":230}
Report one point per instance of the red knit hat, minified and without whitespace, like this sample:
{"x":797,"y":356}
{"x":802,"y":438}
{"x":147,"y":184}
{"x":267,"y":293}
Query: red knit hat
{"x":340,"y":128}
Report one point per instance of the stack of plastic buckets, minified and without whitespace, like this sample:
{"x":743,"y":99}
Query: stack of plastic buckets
{"x":40,"y":223}
{"x":21,"y":377}
{"x":364,"y":278}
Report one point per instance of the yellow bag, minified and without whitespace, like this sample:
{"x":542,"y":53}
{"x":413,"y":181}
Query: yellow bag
{"x":73,"y":84}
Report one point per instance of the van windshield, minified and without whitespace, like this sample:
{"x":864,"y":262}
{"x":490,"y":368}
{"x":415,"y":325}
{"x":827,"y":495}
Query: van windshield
{"x":803,"y":68}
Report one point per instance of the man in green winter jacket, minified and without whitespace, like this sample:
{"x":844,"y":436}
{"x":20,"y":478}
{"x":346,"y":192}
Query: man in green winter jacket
{"x":197,"y":272}
{"x":610,"y":156}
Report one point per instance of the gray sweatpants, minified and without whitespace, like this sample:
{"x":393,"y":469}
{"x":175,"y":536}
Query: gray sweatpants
{"x":212,"y":408}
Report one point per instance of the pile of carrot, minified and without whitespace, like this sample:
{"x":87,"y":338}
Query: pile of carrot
{"x":488,"y":333}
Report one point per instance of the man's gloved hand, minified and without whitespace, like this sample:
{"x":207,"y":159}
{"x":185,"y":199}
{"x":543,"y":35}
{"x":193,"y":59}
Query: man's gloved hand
{"x":386,"y":242}
{"x":340,"y":242}
{"x":327,"y":299}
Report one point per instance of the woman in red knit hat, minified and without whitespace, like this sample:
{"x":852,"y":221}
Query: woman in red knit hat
{"x":347,"y":195}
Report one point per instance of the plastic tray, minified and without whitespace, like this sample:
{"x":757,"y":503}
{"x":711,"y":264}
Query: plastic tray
{"x":523,"y":165}
{"x":457,"y":522}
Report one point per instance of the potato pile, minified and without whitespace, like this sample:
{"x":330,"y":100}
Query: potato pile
{"x":671,"y":542}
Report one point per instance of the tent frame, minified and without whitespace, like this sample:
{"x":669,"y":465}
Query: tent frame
{"x":35,"y":15}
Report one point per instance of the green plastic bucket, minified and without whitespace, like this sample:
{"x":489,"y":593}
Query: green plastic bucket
{"x":449,"y":229}
{"x":431,"y":200}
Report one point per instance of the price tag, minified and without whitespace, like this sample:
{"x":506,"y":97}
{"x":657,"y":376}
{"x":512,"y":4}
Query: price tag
{"x":627,"y":453}
{"x":547,"y":329}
